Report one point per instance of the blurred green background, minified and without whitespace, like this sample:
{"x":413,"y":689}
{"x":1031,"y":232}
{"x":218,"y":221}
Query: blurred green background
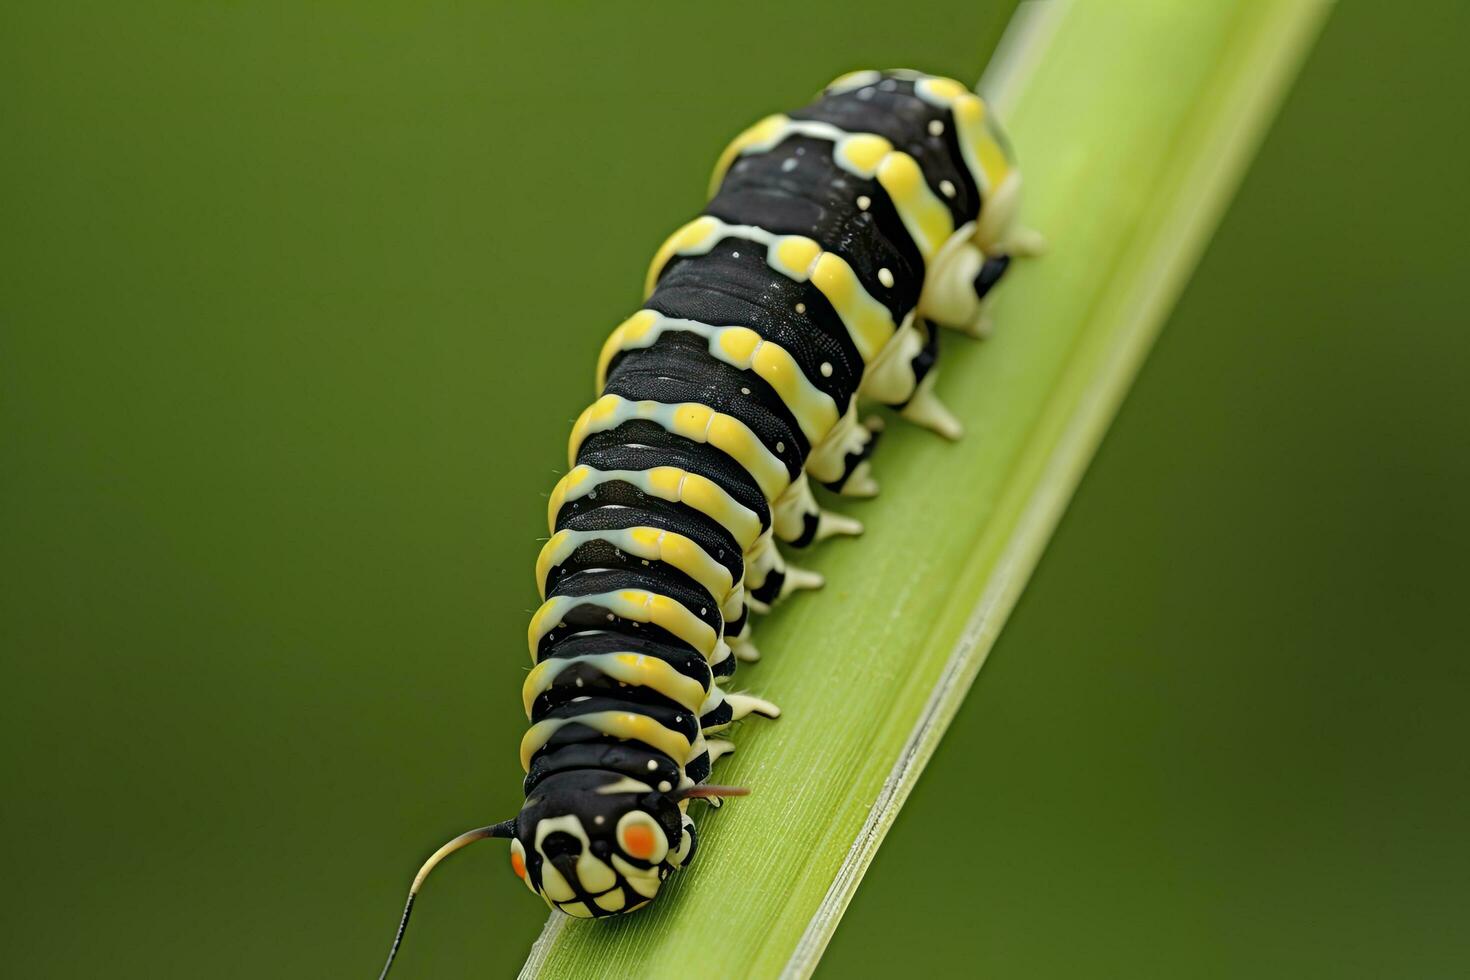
{"x":297,"y":302}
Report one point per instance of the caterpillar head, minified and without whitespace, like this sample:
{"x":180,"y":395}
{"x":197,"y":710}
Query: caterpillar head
{"x":592,"y":842}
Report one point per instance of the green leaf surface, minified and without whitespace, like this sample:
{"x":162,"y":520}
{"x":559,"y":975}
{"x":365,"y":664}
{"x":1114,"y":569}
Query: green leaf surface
{"x":1133,"y":125}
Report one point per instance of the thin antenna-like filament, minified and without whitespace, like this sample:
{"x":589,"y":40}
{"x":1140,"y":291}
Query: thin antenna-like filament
{"x":709,"y":792}
{"x":503,"y":829}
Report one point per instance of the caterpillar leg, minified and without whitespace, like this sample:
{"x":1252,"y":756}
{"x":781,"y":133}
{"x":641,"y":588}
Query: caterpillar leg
{"x":958,"y":294}
{"x":769,"y":578}
{"x":840,"y":463}
{"x":747,"y":704}
{"x":859,"y":482}
{"x":963,"y":274}
{"x":830,"y":524}
{"x":720,"y":711}
{"x":903,"y":378}
{"x":925,"y":409}
{"x":718,"y":748}
{"x":740,"y":642}
{"x":923,"y":406}
{"x":710,"y":751}
{"x":1026,"y":243}
{"x":998,"y":232}
{"x":799,"y":521}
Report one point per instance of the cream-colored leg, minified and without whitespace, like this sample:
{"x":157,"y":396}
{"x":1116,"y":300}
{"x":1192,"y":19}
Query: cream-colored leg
{"x":925,"y":409}
{"x":746,"y":704}
{"x":718,"y":749}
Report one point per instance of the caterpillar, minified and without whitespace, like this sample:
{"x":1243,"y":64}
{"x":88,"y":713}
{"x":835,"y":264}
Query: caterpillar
{"x":837,"y":240}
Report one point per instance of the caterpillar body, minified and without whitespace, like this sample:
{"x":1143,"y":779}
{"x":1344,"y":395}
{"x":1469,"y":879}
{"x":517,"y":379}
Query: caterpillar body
{"x":838,"y":238}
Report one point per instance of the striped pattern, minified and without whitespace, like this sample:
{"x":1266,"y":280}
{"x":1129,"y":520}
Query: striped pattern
{"x":801,"y":287}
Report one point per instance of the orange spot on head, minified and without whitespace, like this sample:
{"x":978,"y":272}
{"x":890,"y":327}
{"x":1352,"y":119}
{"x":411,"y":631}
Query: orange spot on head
{"x":517,"y":864}
{"x":638,"y":841}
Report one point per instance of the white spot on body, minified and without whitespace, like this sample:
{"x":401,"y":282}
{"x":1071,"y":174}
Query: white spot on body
{"x":946,"y":188}
{"x":888,"y":85}
{"x":652,"y":764}
{"x":826,"y":369}
{"x":788,"y":165}
{"x":864,"y":202}
{"x":865,"y":94}
{"x":745,"y":391}
{"x":599,"y":819}
{"x":624,"y":785}
{"x":936,"y":127}
{"x":885,"y":277}
{"x":664,"y":786}
{"x":734,"y":255}
{"x":780,"y":447}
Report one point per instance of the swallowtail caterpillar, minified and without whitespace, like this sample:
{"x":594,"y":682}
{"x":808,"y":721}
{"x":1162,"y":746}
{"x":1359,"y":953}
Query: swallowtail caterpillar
{"x":838,"y":239}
